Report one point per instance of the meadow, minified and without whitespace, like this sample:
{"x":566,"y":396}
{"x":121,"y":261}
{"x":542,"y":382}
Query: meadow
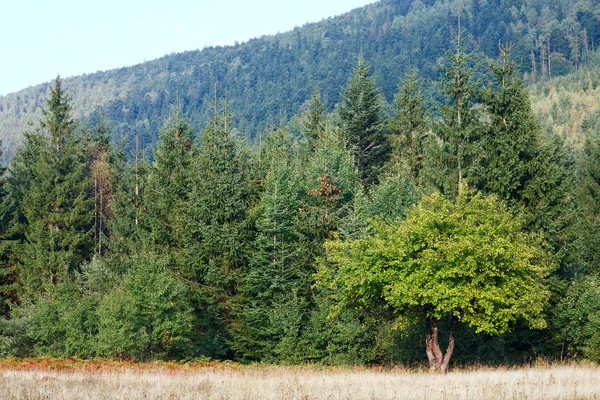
{"x":102,"y":380}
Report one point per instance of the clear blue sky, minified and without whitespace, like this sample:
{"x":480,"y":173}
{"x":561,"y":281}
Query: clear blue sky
{"x":41,"y":38}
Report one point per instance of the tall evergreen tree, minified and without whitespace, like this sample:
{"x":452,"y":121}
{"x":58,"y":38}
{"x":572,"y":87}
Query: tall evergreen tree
{"x":459,"y":123}
{"x":220,"y":203}
{"x":361,"y":118}
{"x":6,"y":272}
{"x":314,"y":121}
{"x":168,"y":199}
{"x":511,"y":137}
{"x":54,"y":215}
{"x":410,"y":129}
{"x":274,"y":286}
{"x":221,"y":229}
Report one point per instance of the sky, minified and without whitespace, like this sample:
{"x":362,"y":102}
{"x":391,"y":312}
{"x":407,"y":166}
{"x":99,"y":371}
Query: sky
{"x":42,"y":38}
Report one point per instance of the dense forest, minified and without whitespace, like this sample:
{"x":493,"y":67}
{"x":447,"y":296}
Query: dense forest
{"x":397,"y":185}
{"x":447,"y":225}
{"x":270,"y":79}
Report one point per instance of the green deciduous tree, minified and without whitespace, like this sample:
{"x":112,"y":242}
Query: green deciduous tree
{"x":468,"y":261}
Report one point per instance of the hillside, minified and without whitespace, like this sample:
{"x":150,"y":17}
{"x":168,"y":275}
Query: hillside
{"x":267,"y":80}
{"x":569,"y":105}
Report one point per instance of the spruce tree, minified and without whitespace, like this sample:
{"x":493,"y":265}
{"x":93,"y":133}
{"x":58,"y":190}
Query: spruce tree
{"x":458,"y":127}
{"x":274,"y":283}
{"x":54,"y":215}
{"x":221,"y":230}
{"x":220,"y":203}
{"x":361,"y":119}
{"x":168,"y":199}
{"x":511,"y":137}
{"x":410,"y":130}
{"x":314,"y":121}
{"x":7,"y":277}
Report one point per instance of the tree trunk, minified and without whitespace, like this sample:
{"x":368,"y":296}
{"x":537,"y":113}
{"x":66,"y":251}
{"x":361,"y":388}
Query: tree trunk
{"x":438,"y":362}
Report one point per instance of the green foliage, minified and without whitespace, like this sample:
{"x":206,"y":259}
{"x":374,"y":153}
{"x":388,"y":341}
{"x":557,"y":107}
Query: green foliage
{"x":470,"y":260}
{"x":168,"y":198}
{"x":512,"y":137}
{"x":314,"y":118}
{"x":148,"y":315}
{"x":362,"y":122}
{"x":410,"y":131}
{"x":211,"y":248}
{"x":268,"y":79}
{"x":459,"y":126}
{"x":578,"y":318}
{"x":52,"y":216}
{"x":274,"y":283}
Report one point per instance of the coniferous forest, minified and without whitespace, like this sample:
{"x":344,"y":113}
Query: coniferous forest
{"x":451,"y":224}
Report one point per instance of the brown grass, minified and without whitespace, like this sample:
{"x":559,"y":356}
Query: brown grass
{"x":72,"y":379}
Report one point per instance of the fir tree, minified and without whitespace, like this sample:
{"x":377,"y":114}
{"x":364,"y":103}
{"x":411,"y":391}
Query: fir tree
{"x":458,"y":127}
{"x":361,"y":120}
{"x":511,"y":138}
{"x":410,"y":129}
{"x":313,"y":122}
{"x":168,"y":197}
{"x":54,"y":215}
{"x":274,"y":281}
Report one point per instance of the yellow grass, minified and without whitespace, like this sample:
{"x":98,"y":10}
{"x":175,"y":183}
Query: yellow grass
{"x":557,"y":382}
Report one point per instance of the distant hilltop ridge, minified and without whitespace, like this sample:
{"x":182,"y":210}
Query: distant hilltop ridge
{"x":267,"y":80}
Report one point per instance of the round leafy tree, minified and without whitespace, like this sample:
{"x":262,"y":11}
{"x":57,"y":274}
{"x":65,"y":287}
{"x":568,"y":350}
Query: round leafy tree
{"x":469,"y":261}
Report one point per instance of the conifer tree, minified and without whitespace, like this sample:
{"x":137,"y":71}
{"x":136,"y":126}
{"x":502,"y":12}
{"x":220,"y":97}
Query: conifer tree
{"x":511,"y":138}
{"x":459,"y":126}
{"x":220,"y":228}
{"x":274,"y":282}
{"x":128,"y":226}
{"x":101,"y":159}
{"x":314,"y":122}
{"x":410,"y":129}
{"x":168,"y":197}
{"x":360,"y":113}
{"x":54,"y":212}
{"x":220,"y":203}
{"x":6,"y":272}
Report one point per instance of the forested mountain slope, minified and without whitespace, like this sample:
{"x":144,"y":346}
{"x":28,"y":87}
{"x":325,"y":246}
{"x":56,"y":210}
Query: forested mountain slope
{"x":268,"y":79}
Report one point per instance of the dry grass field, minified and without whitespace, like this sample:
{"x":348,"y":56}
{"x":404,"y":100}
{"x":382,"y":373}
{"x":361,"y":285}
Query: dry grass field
{"x":101,"y":380}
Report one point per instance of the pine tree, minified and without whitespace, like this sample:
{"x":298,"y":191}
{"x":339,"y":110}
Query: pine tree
{"x":360,"y":113}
